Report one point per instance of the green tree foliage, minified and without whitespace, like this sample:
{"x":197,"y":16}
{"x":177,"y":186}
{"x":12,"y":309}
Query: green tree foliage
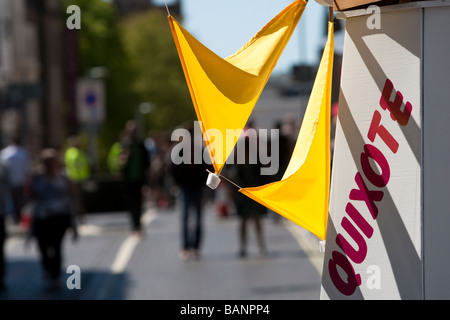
{"x":100,"y":45}
{"x":160,"y":80}
{"x":142,"y":65}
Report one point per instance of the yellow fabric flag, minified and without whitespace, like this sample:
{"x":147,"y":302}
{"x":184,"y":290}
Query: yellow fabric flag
{"x":302,"y":194}
{"x":224,"y":91}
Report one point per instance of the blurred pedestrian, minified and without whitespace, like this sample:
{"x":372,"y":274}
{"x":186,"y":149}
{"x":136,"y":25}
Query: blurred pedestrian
{"x":4,"y":197}
{"x":114,"y":153}
{"x":151,"y":145}
{"x":18,"y":163}
{"x":134,"y":163}
{"x":285,"y":149}
{"x":76,"y":161}
{"x":77,"y":165}
{"x":55,"y":209}
{"x":161,"y":181}
{"x":191,"y":178}
{"x":249,"y":175}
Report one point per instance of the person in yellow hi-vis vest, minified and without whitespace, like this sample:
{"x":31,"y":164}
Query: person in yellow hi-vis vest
{"x":76,"y":161}
{"x":113,"y":156}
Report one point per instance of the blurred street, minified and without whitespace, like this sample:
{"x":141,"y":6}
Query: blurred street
{"x":117,"y":266}
{"x":95,"y":116}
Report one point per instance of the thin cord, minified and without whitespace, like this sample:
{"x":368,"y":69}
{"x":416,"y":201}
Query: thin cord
{"x":226,"y":179}
{"x":167,"y":8}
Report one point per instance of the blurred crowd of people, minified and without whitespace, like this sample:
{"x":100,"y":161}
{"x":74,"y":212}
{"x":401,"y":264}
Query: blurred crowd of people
{"x":43,"y":195}
{"x":50,"y":192}
{"x":55,"y":203}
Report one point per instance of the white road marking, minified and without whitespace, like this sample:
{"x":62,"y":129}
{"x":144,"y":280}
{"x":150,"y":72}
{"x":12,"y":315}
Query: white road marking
{"x":124,"y":254}
{"x":126,"y":250}
{"x":89,"y":230}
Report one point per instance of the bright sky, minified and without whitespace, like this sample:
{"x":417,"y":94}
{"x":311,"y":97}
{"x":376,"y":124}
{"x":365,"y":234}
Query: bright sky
{"x":224,"y":26}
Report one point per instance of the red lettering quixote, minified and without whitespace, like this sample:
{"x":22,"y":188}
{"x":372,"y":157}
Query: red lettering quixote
{"x":363,"y":193}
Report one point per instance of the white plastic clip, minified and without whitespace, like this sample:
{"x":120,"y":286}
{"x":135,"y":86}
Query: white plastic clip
{"x":322,"y":244}
{"x":213,"y":180}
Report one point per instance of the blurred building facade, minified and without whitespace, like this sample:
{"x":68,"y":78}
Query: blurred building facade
{"x":33,"y":63}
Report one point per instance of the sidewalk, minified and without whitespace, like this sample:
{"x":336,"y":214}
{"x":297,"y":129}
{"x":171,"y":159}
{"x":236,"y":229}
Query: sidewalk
{"x":116,"y":266}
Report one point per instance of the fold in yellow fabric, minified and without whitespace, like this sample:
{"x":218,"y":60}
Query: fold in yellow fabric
{"x":225,"y":91}
{"x":302,"y":195}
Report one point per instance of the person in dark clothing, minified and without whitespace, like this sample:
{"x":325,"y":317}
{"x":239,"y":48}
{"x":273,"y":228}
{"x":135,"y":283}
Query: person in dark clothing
{"x":248,"y":210}
{"x":191,"y":178}
{"x":285,"y":149}
{"x":4,"y":195}
{"x":18,"y":163}
{"x":134,"y":162}
{"x":56,"y":210}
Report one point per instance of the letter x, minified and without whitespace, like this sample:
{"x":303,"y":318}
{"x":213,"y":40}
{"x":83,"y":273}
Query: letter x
{"x":366,"y":195}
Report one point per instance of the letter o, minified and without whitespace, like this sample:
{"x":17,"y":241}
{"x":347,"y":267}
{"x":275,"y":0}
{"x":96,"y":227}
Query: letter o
{"x":379,"y":180}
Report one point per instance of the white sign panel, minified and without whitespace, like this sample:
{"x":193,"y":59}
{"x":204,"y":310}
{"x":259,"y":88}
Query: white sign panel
{"x":90,"y":101}
{"x":374,"y":237}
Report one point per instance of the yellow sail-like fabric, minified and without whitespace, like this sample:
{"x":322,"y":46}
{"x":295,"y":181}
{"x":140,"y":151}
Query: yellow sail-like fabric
{"x":225,"y":91}
{"x":302,"y":194}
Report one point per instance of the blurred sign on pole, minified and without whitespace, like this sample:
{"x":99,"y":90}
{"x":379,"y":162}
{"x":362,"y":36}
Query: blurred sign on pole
{"x":90,"y":101}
